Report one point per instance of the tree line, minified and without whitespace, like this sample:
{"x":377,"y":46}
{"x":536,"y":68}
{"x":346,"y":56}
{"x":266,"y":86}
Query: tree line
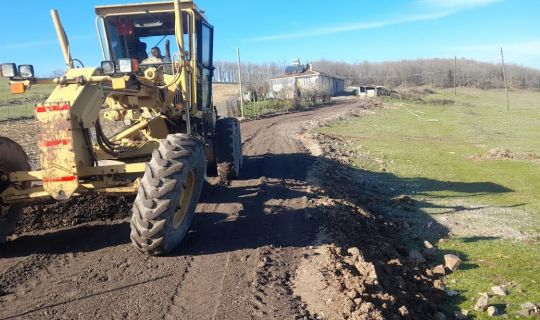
{"x":405,"y":73}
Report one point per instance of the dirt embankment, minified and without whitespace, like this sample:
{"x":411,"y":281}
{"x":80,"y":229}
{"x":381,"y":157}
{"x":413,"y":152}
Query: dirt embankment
{"x":361,"y":269}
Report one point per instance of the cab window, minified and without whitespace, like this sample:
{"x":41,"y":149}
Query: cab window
{"x":134,"y":36}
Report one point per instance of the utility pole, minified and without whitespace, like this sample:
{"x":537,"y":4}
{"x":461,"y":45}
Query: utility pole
{"x":505,"y":83}
{"x":455,"y":71}
{"x":240,"y":85}
{"x":431,"y":74}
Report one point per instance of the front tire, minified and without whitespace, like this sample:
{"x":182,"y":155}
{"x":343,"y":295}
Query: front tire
{"x":12,"y":158}
{"x":168,"y":195}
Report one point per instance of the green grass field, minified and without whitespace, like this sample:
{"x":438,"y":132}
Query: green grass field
{"x":445,"y":153}
{"x":15,"y":106}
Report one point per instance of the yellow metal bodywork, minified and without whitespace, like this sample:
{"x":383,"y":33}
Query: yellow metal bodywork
{"x":70,"y":165}
{"x":57,"y":156}
{"x":60,"y":121}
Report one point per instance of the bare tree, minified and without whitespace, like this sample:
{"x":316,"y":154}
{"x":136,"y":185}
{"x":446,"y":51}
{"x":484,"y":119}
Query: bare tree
{"x":405,"y":73}
{"x":57,"y":73}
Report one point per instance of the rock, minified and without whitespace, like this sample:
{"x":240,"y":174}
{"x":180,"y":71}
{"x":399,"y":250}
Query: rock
{"x":439,"y":316}
{"x":352,"y":294}
{"x":499,"y":290}
{"x":354,"y":252}
{"x":430,"y":253}
{"x":452,"y":262}
{"x":482,"y":303}
{"x":406,"y":225}
{"x":492,"y":311}
{"x":395,"y":262}
{"x":529,"y":309}
{"x":405,"y":198}
{"x":416,"y":256}
{"x":427,"y":245}
{"x":439,"y":269}
{"x":438,"y":284}
{"x":403,"y":311}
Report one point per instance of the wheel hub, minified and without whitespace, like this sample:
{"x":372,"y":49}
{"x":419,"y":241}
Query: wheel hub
{"x":182,"y":206}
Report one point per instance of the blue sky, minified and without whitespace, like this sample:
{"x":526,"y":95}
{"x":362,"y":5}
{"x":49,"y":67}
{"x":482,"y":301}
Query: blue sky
{"x":281,"y":30}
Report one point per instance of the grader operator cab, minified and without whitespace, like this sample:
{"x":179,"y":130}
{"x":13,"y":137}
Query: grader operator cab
{"x":142,"y":122}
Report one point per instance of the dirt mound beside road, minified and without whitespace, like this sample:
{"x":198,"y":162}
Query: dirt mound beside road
{"x":77,"y":210}
{"x":362,"y":263}
{"x":363,"y":266}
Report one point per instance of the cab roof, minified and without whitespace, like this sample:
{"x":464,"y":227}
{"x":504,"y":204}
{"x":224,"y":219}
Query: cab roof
{"x":138,"y":8}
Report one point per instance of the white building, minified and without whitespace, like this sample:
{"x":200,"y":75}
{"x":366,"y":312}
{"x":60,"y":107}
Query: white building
{"x":302,"y":80}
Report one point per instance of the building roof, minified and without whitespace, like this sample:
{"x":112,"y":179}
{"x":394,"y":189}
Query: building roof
{"x":306,"y":73}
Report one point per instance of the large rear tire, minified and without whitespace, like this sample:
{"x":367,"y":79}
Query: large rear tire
{"x":12,"y":158}
{"x":239,"y":145}
{"x":228,"y":148}
{"x":168,"y":195}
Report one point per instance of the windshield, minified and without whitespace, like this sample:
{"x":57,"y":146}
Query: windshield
{"x":148,"y":37}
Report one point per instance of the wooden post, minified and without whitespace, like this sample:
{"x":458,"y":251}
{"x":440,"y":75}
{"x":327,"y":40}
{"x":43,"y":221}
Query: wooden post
{"x":240,"y":85}
{"x":455,"y":74}
{"x":505,"y":83}
{"x":431,"y":74}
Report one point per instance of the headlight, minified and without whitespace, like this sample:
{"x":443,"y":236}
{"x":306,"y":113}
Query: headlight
{"x":26,"y":71}
{"x":108,"y":67}
{"x":128,"y":65}
{"x":9,"y":70}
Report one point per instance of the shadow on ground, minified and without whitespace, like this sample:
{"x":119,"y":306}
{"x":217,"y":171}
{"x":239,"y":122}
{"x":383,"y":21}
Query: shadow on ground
{"x":274,"y":214}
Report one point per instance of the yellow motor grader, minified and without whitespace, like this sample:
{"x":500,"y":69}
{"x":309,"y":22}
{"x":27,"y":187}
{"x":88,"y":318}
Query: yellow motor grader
{"x":142,"y":122}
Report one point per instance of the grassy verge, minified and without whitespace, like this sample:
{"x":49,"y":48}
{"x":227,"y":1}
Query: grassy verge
{"x":17,"y":106}
{"x":496,"y":262}
{"x":453,"y":155}
{"x":16,"y":111}
{"x":258,"y":109}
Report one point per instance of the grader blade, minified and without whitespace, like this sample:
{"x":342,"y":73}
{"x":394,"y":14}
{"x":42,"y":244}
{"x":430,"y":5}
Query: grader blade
{"x":55,"y":139}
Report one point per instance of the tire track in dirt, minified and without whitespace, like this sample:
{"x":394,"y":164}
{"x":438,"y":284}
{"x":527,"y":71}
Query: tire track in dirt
{"x":22,"y":271}
{"x":174,"y":307}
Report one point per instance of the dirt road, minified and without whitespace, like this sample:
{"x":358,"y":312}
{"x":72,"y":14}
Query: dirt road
{"x":236,"y":263}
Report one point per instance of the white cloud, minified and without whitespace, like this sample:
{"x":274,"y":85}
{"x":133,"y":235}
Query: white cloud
{"x":456,"y":5}
{"x":437,"y":9}
{"x":349,"y":27}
